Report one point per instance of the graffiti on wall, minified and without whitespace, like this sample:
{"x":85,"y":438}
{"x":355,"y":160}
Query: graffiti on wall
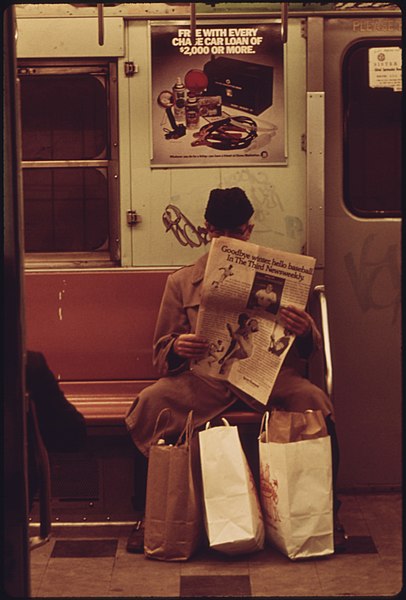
{"x":375,"y":278}
{"x":270,"y":212}
{"x":183,"y":229}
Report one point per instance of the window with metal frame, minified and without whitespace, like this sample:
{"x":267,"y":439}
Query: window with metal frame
{"x":70,"y":162}
{"x":372,"y":132}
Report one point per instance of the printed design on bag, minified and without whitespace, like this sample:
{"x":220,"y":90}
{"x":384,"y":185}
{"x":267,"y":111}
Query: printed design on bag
{"x":253,"y":489}
{"x":269,"y":489}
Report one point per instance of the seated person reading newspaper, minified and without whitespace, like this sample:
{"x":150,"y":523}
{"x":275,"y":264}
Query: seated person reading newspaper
{"x":176,"y":345}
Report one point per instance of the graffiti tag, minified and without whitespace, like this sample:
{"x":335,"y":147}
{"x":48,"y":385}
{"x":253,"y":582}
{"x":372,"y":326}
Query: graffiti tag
{"x":183,"y":229}
{"x":376,"y":281}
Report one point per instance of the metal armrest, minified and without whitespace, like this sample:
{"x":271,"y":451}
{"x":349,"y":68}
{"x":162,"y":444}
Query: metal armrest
{"x":320,"y":293}
{"x":44,"y":483}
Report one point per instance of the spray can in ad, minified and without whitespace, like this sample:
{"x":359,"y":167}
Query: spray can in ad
{"x":179,"y":100}
{"x":192,"y":112}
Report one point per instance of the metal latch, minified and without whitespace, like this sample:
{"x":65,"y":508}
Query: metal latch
{"x":130,"y":68}
{"x":133,"y":218}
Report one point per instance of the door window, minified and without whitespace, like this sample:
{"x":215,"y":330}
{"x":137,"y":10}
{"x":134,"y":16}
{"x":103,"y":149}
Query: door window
{"x":372,"y":129}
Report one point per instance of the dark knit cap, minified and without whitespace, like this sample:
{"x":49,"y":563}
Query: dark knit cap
{"x":229,"y":208}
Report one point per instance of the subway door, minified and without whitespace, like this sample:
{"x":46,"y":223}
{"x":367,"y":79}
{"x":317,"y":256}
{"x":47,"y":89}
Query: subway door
{"x":362,"y":241}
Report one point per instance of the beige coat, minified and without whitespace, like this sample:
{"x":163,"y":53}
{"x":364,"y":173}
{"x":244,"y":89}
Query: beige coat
{"x":182,"y":390}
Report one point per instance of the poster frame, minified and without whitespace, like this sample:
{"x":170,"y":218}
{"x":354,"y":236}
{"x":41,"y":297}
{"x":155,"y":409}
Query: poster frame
{"x":154,"y":24}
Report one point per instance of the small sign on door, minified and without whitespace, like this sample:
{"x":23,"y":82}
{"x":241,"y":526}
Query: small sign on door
{"x":385,"y":68}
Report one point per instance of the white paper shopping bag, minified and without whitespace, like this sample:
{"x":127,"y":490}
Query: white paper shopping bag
{"x":296,"y":494}
{"x":233,"y":516}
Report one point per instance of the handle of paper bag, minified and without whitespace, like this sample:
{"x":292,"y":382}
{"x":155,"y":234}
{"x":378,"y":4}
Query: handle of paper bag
{"x":264,"y":426}
{"x":225,"y":422}
{"x":166,"y":411}
{"x":187,"y":431}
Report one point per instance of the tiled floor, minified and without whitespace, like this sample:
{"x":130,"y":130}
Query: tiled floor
{"x":372,"y":567}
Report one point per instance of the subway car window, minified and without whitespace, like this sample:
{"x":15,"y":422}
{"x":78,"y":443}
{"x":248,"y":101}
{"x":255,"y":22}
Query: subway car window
{"x":372,"y":129}
{"x":66,"y":122}
{"x":63,"y":117}
{"x":65,"y":210}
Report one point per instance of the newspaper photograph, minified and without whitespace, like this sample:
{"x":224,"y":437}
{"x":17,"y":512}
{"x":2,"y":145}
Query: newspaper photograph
{"x":244,"y":287}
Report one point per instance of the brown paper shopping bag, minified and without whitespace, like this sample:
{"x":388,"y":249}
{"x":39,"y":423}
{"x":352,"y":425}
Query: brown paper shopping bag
{"x":296,"y":483}
{"x":233,"y":516}
{"x":173,"y":511}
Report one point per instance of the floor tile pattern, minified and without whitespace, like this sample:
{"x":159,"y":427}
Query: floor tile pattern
{"x":360,"y":544}
{"x":372,"y":566}
{"x":84,"y":548}
{"x":207,"y":586}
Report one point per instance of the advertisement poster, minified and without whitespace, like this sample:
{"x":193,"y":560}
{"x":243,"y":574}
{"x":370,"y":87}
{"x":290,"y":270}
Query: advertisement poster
{"x":217,"y":99}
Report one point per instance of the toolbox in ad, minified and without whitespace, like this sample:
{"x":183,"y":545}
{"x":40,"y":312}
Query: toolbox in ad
{"x":243,"y":85}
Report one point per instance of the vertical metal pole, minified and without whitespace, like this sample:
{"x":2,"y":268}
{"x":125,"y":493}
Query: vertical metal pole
{"x":284,"y":21}
{"x":193,"y":22}
{"x":100,"y":21}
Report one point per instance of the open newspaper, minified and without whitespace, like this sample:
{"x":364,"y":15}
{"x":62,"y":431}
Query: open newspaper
{"x":244,"y":287}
